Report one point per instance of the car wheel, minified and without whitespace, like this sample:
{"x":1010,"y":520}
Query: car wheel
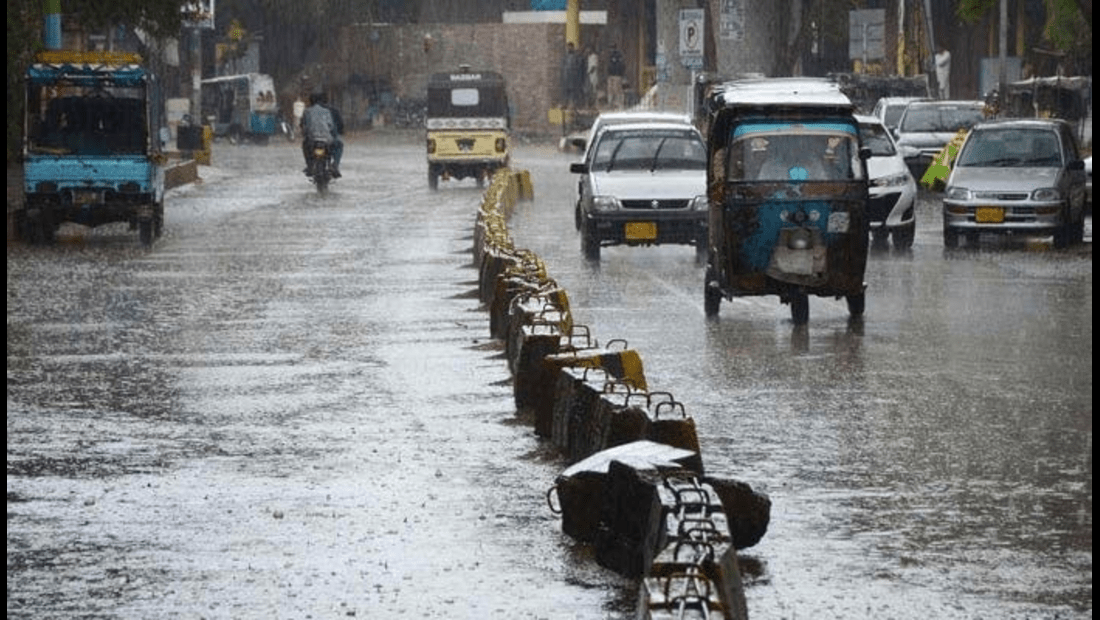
{"x":702,"y":251}
{"x":879,"y":236}
{"x":800,"y":309}
{"x":433,"y":179}
{"x":903,"y":237}
{"x":950,"y":238}
{"x":577,"y":215}
{"x":590,"y":244}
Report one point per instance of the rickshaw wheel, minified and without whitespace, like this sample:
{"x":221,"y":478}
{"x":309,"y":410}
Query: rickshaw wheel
{"x":712,"y":299}
{"x":856,"y":304}
{"x":800,"y":308}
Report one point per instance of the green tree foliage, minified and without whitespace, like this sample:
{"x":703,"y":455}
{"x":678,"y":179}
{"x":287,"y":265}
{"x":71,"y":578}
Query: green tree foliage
{"x":1068,"y":27}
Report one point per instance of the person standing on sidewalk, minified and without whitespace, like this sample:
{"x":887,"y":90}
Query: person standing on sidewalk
{"x":616,"y":69}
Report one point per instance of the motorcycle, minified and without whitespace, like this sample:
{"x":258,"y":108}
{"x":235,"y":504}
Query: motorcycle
{"x":319,"y":168}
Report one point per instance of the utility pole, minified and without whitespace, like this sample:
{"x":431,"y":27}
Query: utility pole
{"x":934,"y":83}
{"x":1002,"y":51}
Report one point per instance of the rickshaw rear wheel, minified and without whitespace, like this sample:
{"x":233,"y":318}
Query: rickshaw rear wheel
{"x":712,"y":298}
{"x":800,"y":308}
{"x":433,"y":178}
{"x":856,"y":304}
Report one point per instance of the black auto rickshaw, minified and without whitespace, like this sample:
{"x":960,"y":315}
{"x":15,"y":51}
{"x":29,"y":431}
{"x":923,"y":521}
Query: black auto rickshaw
{"x":787,"y":187}
{"x":467,"y":125}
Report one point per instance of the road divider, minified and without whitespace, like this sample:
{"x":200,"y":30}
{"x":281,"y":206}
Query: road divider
{"x":636,"y":489}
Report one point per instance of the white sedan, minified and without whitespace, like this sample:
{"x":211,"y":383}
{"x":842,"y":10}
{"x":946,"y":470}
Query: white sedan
{"x":892,"y":187}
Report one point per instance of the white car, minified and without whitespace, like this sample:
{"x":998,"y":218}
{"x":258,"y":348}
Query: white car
{"x":889,"y":110}
{"x":643,"y":184}
{"x":891,"y":209}
{"x":618,"y":118}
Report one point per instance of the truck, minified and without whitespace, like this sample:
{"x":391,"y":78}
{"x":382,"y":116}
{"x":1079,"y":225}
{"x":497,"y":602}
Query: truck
{"x":93,"y":147}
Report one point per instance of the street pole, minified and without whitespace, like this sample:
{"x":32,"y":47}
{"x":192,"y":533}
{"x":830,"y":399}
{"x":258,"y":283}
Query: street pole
{"x":1002,"y":45}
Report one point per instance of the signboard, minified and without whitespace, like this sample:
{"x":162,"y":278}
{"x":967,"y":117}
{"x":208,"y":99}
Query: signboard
{"x":867,"y":34}
{"x":198,"y":14}
{"x":731,"y":20}
{"x":691,"y":37}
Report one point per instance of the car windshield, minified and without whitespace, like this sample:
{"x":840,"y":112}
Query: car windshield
{"x":647,"y":149}
{"x":874,"y":137}
{"x":940,"y":118}
{"x":893,"y":114}
{"x":780,"y":151}
{"x":1011,"y":148}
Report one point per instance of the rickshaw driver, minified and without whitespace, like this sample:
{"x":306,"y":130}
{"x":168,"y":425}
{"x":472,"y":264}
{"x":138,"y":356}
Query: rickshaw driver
{"x":795,"y":158}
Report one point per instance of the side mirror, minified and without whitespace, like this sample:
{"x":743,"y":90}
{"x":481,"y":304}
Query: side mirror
{"x":865,"y":153}
{"x":579,"y":143}
{"x":578,"y":168}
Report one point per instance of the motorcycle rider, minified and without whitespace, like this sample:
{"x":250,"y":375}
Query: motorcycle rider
{"x":319,"y":124}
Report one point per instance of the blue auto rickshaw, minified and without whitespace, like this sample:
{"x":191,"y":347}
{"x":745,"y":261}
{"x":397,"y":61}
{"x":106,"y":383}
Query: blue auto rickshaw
{"x":787,"y":187}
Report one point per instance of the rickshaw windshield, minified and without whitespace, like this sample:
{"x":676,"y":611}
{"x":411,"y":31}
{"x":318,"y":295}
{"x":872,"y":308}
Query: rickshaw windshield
{"x":786,"y":151}
{"x":467,"y":100}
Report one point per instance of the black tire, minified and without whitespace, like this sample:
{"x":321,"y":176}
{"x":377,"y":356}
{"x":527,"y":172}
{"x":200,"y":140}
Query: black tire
{"x":433,"y":179}
{"x":973,"y":240}
{"x":145,"y":231}
{"x":950,"y":237}
{"x":712,"y":296}
{"x":40,"y":228}
{"x":856,"y":304}
{"x":903,"y":237}
{"x":577,"y":215}
{"x":1064,"y":234}
{"x":800,"y":309}
{"x":590,"y":244}
{"x":880,"y":237}
{"x":158,"y":220}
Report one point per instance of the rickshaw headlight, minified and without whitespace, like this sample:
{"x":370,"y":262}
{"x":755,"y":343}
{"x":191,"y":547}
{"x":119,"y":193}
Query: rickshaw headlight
{"x":605,"y":203}
{"x":700,"y":203}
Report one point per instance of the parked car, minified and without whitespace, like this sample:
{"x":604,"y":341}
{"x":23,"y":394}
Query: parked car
{"x":1016,"y":176}
{"x":927,"y":126}
{"x":617,"y":118}
{"x":1088,"y":185}
{"x":893,"y":191}
{"x":643,"y":184}
{"x":889,"y":109}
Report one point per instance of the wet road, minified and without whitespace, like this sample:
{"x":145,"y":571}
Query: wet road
{"x":290,"y":407}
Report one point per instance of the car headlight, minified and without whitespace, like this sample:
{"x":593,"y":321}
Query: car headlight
{"x":700,"y":203}
{"x":957,"y":193}
{"x":605,"y":203}
{"x":894,"y":180}
{"x":1046,"y":194}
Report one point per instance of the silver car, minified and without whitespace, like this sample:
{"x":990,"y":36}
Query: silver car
{"x":1021,"y":176}
{"x":643,"y":184}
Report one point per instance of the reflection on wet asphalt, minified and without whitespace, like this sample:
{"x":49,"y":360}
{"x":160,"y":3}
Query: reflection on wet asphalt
{"x":291,"y":406}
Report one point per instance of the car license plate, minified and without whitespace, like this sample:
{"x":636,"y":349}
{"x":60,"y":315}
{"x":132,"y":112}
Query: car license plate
{"x":641,"y":231}
{"x":989,"y":215}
